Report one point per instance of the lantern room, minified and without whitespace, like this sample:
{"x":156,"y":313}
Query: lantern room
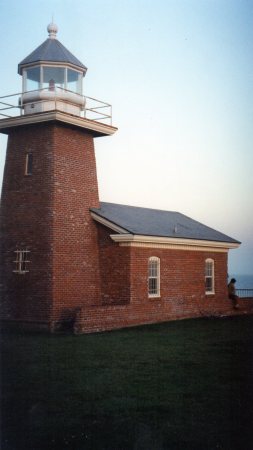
{"x":52,"y":78}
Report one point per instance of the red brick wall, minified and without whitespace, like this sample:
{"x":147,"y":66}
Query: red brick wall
{"x":75,"y":267}
{"x":48,"y":213}
{"x":182,"y":287}
{"x":114,"y":269}
{"x":75,"y":260}
{"x":27,"y":223}
{"x":182,"y":273}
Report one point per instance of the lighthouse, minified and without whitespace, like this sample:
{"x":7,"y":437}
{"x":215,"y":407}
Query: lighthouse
{"x":69,"y":261}
{"x":50,"y":255}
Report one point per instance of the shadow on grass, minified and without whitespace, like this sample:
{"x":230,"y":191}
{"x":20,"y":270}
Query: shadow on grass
{"x":181,"y":385}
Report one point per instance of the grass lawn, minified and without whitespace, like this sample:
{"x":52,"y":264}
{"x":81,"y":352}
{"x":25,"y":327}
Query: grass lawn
{"x":180,"y":385}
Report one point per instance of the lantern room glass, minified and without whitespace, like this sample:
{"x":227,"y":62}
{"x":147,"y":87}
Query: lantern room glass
{"x":74,"y":81}
{"x":53,"y":77}
{"x":32,"y":79}
{"x":50,"y":78}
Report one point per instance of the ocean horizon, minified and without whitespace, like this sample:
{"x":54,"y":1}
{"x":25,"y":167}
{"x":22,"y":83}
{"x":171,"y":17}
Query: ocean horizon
{"x":242,"y":281}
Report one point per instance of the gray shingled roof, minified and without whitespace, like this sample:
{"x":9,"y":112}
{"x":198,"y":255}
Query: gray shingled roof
{"x":154,"y":222}
{"x":52,"y":51}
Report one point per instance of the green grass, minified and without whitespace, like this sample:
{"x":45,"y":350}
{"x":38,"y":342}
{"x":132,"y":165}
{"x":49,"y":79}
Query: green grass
{"x":181,"y":385}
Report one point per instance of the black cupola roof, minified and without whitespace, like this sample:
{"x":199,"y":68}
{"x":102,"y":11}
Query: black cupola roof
{"x":51,"y":51}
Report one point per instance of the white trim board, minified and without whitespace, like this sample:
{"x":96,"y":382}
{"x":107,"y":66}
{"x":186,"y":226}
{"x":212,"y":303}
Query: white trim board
{"x":132,"y":240}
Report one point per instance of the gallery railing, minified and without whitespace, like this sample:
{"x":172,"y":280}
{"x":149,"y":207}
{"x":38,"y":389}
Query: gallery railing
{"x":41,"y":100}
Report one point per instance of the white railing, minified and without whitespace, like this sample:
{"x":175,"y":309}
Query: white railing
{"x":245,"y":293}
{"x":4,"y":106}
{"x":97,"y":110}
{"x":87,"y":107}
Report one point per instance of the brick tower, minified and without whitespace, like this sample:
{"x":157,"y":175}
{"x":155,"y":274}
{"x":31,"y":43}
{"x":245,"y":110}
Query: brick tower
{"x":50,"y":261}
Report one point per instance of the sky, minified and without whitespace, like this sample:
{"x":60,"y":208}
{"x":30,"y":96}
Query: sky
{"x":179,"y":76}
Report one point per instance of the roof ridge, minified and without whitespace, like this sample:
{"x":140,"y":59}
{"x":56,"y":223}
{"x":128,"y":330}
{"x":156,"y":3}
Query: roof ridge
{"x":33,"y":52}
{"x":46,"y":44}
{"x":66,"y":52}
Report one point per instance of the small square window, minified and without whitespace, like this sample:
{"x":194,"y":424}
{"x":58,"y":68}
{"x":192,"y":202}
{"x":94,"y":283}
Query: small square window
{"x":21,"y":262}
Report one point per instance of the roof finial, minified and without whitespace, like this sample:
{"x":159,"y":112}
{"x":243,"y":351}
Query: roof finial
{"x":52,"y":29}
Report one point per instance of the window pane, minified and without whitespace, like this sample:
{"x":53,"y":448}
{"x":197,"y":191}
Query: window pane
{"x":52,"y":77}
{"x":209,"y":268}
{"x":152,"y":285}
{"x":209,"y":284}
{"x":153,"y":268}
{"x":32,"y":79}
{"x":74,"y":81}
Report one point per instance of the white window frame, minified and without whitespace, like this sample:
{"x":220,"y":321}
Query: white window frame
{"x":21,"y":261}
{"x":154,"y":274}
{"x":209,"y":274}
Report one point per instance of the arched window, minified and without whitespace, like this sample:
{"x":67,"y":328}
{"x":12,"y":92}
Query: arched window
{"x":209,"y":276}
{"x":154,"y":277}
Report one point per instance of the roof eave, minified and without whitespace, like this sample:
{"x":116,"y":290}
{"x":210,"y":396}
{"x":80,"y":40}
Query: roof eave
{"x":108,"y":223}
{"x":21,"y":66}
{"x":183,"y":243}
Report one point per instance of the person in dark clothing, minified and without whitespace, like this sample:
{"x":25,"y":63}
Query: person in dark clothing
{"x":232,"y":293}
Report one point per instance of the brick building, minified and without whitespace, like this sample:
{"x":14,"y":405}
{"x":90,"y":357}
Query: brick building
{"x":69,"y":260}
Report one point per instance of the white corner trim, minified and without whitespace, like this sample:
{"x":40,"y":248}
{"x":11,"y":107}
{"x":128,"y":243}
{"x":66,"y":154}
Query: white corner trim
{"x":107,"y":223}
{"x":128,"y":239}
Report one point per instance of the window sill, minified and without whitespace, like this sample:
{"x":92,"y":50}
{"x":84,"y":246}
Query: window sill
{"x":23,"y":272}
{"x":209,"y":293}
